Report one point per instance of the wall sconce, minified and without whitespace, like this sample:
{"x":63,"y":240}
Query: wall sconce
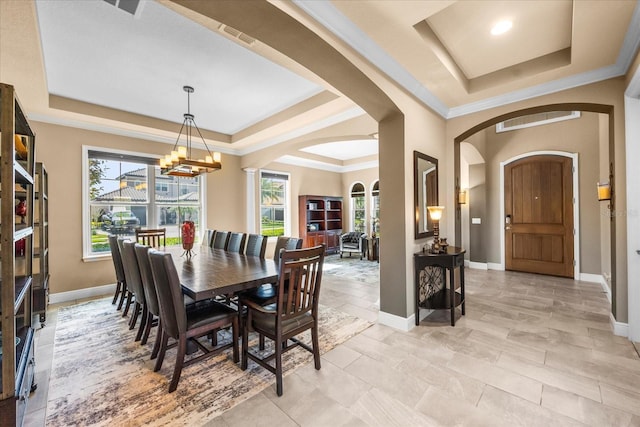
{"x":435,"y":212}
{"x":462,"y":197}
{"x":604,"y":191}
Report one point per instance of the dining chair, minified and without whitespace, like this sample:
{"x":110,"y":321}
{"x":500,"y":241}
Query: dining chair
{"x":150,"y":295}
{"x":220,"y":240}
{"x":294,"y":311}
{"x":236,"y":242}
{"x":256,"y":245}
{"x":183,"y":325}
{"x":134,"y":281}
{"x":293,"y":243}
{"x":154,"y":237}
{"x":121,"y":284}
{"x":207,"y":239}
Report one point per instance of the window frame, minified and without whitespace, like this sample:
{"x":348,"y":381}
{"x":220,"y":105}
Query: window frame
{"x":352,"y":207}
{"x":287,"y":203}
{"x":87,"y":254}
{"x":372,"y":205}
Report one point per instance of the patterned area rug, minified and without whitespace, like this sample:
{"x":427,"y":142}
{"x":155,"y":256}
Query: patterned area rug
{"x":353,"y":268}
{"x":101,"y":377}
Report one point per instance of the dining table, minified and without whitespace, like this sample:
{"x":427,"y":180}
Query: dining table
{"x":209,"y":272}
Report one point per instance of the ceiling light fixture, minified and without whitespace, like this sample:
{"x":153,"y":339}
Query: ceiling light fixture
{"x":501,"y":27}
{"x":180,"y":162}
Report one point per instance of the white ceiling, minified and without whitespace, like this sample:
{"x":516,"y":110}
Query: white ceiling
{"x":254,"y":97}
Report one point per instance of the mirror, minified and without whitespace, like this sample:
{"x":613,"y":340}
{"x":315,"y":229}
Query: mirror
{"x":425,"y":192}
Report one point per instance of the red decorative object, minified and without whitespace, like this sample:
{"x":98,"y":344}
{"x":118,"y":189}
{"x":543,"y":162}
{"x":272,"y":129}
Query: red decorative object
{"x":21,"y":210}
{"x":188,"y":236}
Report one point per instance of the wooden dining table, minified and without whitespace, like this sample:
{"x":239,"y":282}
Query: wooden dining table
{"x":210,"y":272}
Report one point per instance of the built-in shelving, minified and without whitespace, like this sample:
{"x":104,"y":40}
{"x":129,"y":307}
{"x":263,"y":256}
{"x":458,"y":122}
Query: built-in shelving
{"x":41,"y":251}
{"x":320,"y":221}
{"x":17,"y":160}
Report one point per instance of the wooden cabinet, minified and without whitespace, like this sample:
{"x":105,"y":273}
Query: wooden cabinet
{"x":41,"y":252}
{"x":17,"y":157}
{"x":320,"y":221}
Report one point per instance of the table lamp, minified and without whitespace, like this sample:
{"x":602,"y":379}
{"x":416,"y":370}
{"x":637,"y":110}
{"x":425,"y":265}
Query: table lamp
{"x":435,"y":212}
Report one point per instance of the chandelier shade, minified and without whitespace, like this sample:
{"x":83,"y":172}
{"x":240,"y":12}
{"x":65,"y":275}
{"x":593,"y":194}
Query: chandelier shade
{"x":180,"y":161}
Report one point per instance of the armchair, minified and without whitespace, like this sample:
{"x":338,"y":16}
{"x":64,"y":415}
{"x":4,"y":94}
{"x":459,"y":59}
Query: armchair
{"x":352,"y":242}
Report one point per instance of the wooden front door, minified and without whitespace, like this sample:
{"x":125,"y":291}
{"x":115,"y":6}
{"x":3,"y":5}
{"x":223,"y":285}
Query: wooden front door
{"x":538,"y":192}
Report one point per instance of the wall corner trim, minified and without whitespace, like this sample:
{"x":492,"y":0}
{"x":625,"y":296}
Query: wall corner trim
{"x":620,"y":329}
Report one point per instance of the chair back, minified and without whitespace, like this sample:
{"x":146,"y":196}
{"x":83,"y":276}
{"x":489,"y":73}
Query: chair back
{"x":293,"y":243}
{"x":165,"y":278}
{"x":236,"y":242}
{"x":152,"y":237}
{"x":256,"y":245}
{"x":116,"y":257}
{"x":150,"y":295}
{"x":207,"y":239}
{"x":131,"y":269}
{"x":281,"y":243}
{"x":299,"y":277}
{"x":220,"y":240}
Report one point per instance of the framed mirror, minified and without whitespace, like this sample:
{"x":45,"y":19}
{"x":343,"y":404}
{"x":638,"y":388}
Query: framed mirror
{"x":425,"y":192}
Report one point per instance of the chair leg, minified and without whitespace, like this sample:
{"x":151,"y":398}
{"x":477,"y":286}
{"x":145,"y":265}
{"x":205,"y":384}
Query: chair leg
{"x":147,"y":328}
{"x":127,"y":304}
{"x":115,"y":296}
{"x":278,"y":347}
{"x":261,"y":342}
{"x":316,"y":346}
{"x":163,"y":348}
{"x":143,"y":323}
{"x":134,"y":315}
{"x":214,"y":337}
{"x":123,"y":291}
{"x":156,"y":345}
{"x":182,"y":348}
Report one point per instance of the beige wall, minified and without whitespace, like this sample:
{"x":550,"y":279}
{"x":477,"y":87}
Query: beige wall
{"x":60,"y":149}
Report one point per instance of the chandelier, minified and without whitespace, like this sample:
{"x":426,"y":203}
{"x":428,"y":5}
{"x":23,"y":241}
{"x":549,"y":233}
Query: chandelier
{"x":180,"y":162}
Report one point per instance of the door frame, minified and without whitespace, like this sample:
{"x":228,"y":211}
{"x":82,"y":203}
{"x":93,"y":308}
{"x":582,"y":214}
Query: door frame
{"x":576,"y":205}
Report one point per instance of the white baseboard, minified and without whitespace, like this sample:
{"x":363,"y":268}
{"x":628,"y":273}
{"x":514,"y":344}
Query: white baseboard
{"x":396,"y":322}
{"x":478,"y":265}
{"x":597,"y":278}
{"x":82,"y":294}
{"x":620,"y":329}
{"x":495,"y":266}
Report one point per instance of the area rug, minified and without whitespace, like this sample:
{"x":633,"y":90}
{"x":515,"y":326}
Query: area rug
{"x":352,"y":267}
{"x":101,"y":377}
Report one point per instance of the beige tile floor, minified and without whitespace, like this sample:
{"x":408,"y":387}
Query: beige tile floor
{"x":531,"y":351}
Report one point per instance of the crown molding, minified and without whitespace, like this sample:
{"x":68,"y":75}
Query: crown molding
{"x":316,"y":164}
{"x":331,"y":18}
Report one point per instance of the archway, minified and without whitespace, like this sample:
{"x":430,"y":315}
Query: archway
{"x":585,"y":107}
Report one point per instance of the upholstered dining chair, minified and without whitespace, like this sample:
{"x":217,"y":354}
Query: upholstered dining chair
{"x":183,"y":325}
{"x":220,"y":240}
{"x":134,"y":282}
{"x":256,"y":245}
{"x":294,"y":311}
{"x":207,"y":239}
{"x":154,"y":237}
{"x":121,"y":284}
{"x":285,"y":242}
{"x":236,"y":242}
{"x":150,"y":295}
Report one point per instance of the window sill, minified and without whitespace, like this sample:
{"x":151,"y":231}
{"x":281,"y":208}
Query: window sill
{"x":94,"y":258}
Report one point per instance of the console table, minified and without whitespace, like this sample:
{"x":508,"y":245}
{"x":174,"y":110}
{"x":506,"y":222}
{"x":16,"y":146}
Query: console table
{"x":431,"y":287}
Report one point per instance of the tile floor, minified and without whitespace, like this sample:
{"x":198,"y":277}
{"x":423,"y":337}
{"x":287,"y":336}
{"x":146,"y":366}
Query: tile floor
{"x":531,"y":350}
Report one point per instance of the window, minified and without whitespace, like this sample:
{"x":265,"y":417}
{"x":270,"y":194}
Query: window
{"x":274,"y":196}
{"x":118,"y":199}
{"x":375,"y":208}
{"x":358,"y":212}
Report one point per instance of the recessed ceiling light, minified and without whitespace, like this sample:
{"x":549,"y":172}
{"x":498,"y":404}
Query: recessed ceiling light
{"x":501,"y":27}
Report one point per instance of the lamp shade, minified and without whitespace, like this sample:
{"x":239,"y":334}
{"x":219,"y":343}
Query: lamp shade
{"x":462,"y":197}
{"x":604,"y":191}
{"x":435,"y":212}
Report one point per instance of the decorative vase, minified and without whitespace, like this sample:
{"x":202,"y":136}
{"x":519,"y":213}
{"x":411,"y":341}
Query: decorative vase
{"x":188,"y":232}
{"x":21,"y":210}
